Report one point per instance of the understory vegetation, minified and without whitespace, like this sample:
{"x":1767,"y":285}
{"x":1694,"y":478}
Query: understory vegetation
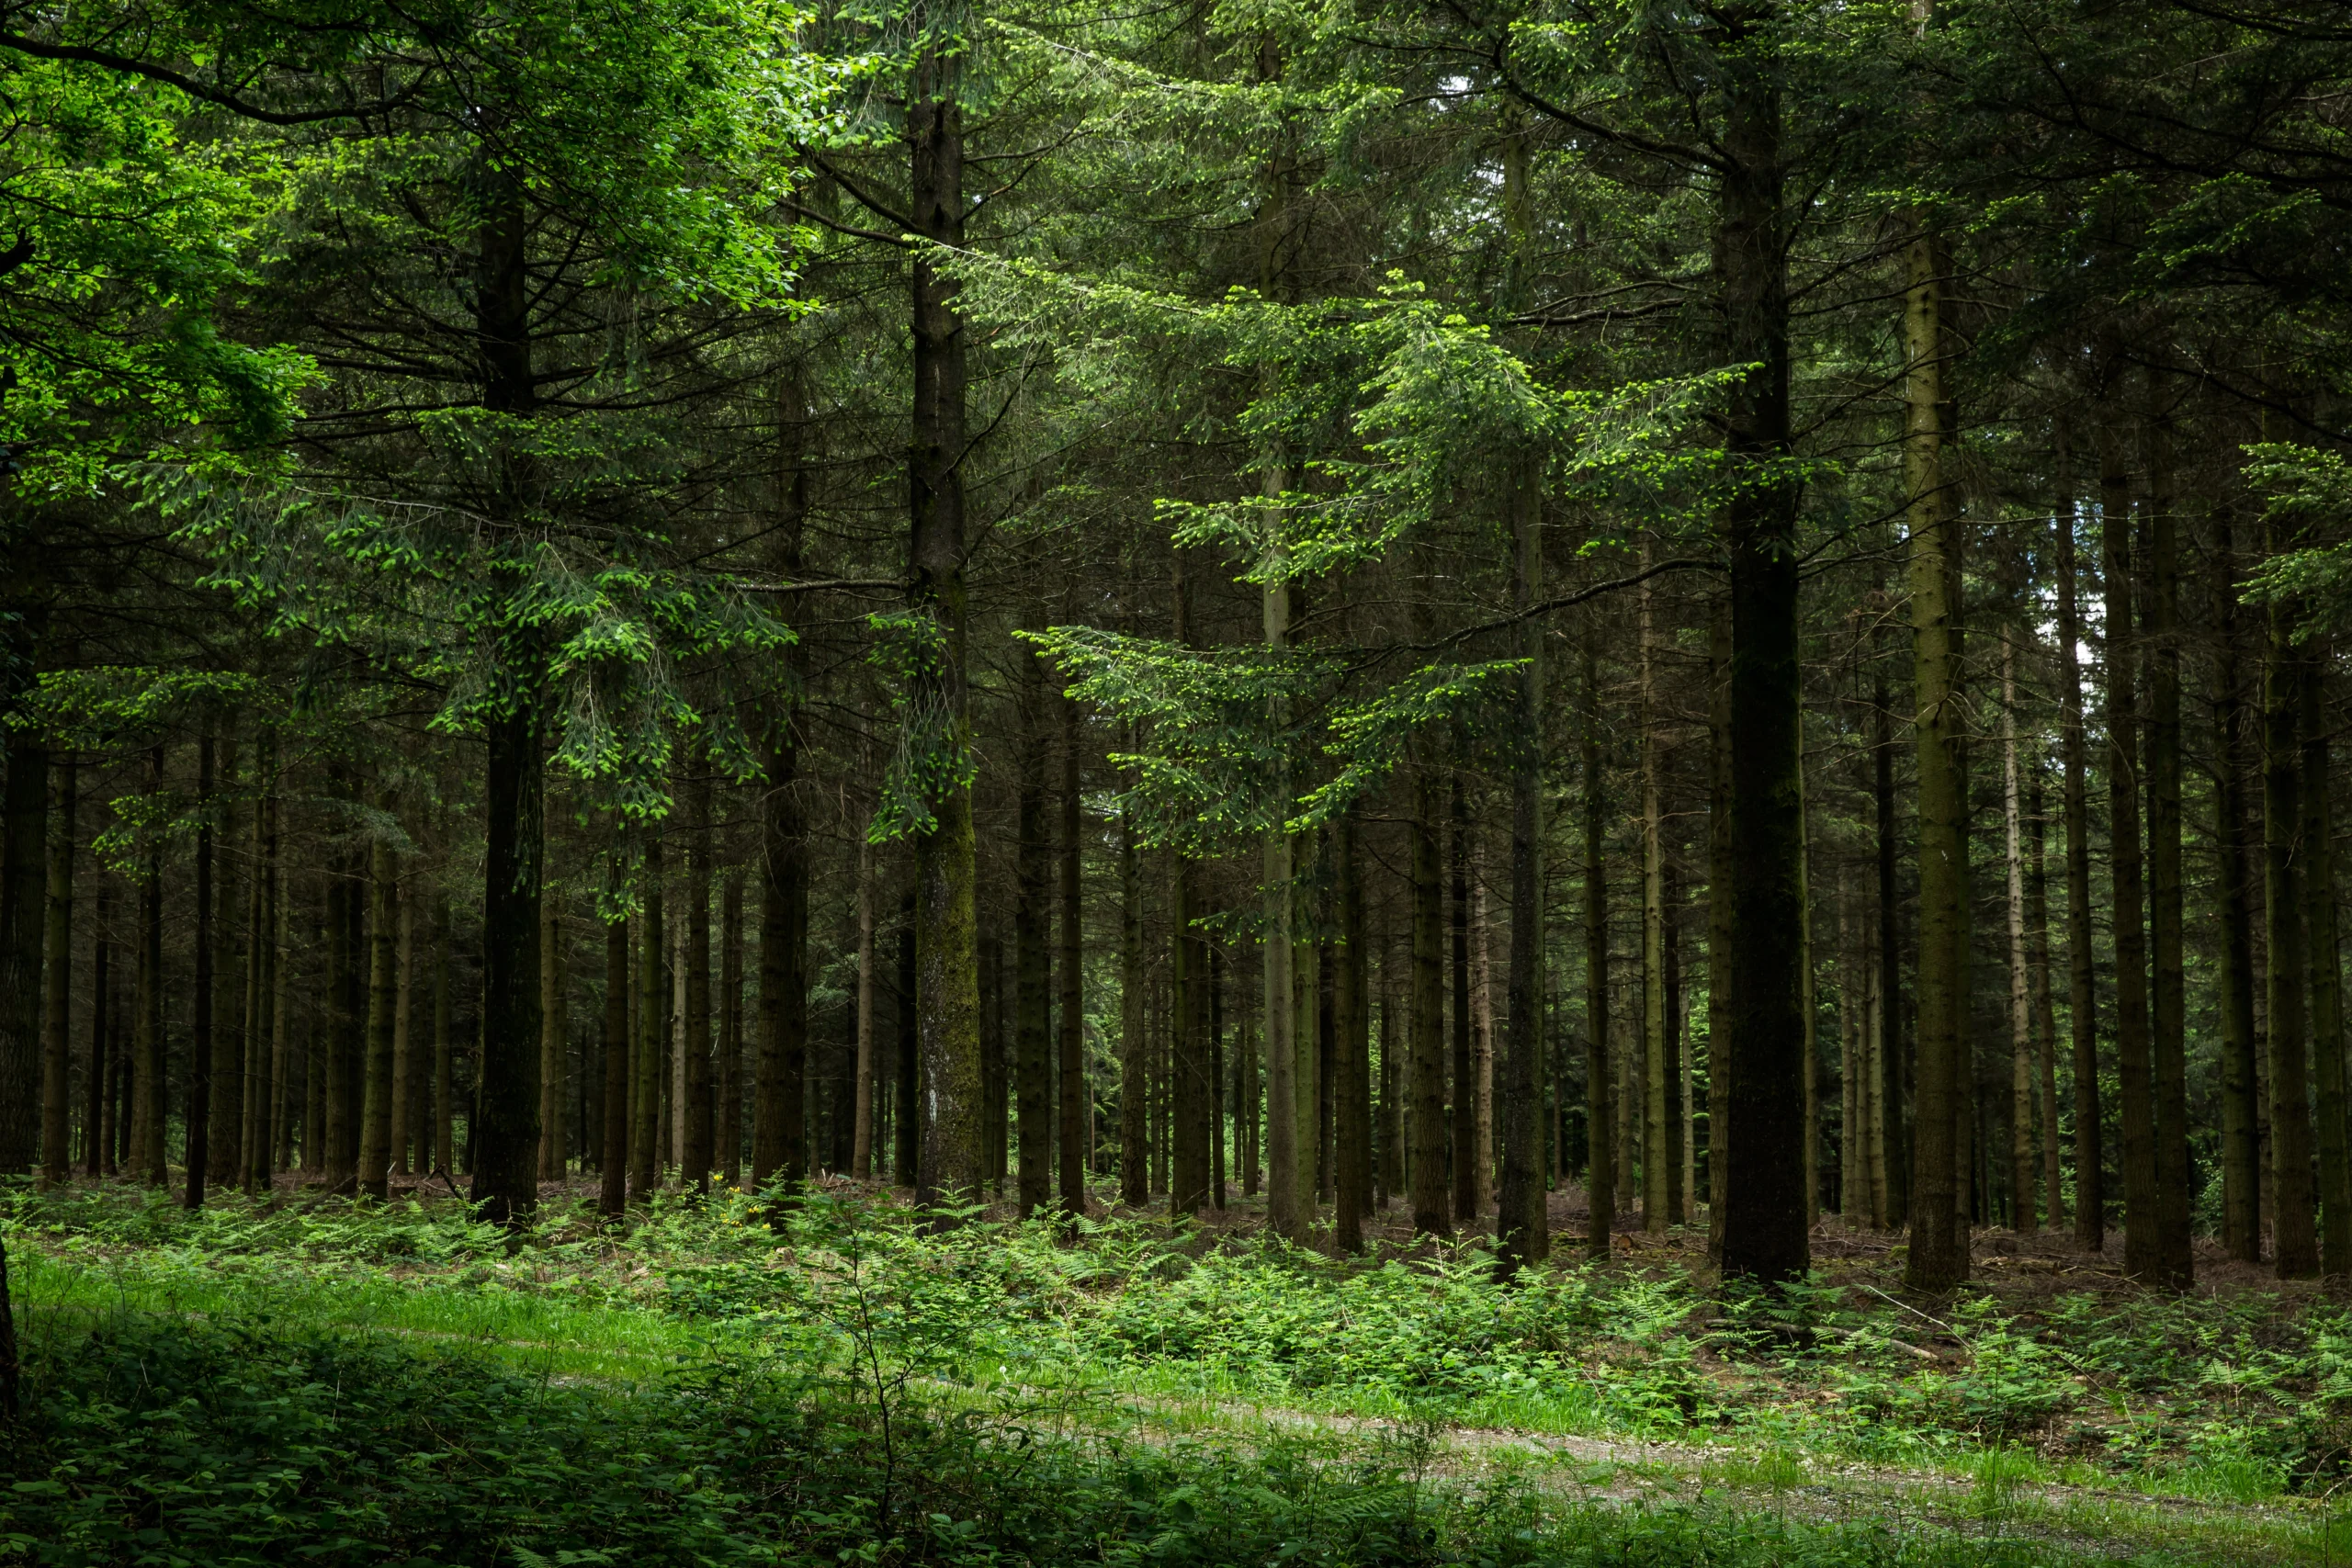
{"x":729,"y":1381}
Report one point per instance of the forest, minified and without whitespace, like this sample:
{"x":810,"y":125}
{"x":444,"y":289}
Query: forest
{"x":1487,"y":782}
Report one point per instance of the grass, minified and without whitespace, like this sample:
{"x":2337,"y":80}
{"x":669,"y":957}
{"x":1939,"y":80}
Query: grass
{"x":1590,"y":1406}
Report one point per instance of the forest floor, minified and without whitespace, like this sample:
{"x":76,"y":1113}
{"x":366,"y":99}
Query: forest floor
{"x":2052,"y":1410}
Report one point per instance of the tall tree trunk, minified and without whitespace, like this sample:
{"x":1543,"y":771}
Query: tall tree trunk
{"x":404,"y":1077}
{"x":947,"y":999}
{"x":1134,"y":1066}
{"x":1432,"y":1190}
{"x":505,"y":1130}
{"x":907,"y":1108}
{"x":1721,"y":1048}
{"x":730,"y":1132}
{"x":2023,"y":1149}
{"x":2169,"y":1065}
{"x":149,"y":1096}
{"x":1349,"y":1041}
{"x":200,"y":1066}
{"x":1070,"y":1018}
{"x":225,"y":1098}
{"x":376,"y":1120}
{"x":2045,"y":1008}
{"x":2241,"y":1150}
{"x":2323,"y":954}
{"x":1467,"y":1199}
{"x":1600,"y":1131}
{"x":24,"y":828}
{"x":1216,"y":1075}
{"x":1939,"y":1256}
{"x":1522,"y":1221}
{"x":98,"y":1112}
{"x":554,"y":1030}
{"x":1766,"y":1235}
{"x":444,"y":1045}
{"x":645,"y":1050}
{"x":2293,"y":1227}
{"x":1657,"y":1077}
{"x":57,"y":981}
{"x":613,"y":1164}
{"x":1032,"y":928}
{"x":2082,"y":996}
{"x":699,"y":1154}
{"x":2134,"y":1047}
{"x":861,"y":1157}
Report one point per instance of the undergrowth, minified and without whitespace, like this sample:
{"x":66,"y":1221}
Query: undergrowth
{"x":2239,"y":1397}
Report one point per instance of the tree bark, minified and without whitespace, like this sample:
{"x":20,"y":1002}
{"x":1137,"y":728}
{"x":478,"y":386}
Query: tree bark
{"x":149,"y":1092}
{"x":645,"y":1051}
{"x":23,"y":829}
{"x":98,"y":1154}
{"x":2323,"y":955}
{"x":2241,"y":1150}
{"x":730,"y":1132}
{"x":1722,"y":1056}
{"x":1766,"y":1236}
{"x":1467,"y":1198}
{"x":2134,"y":1046}
{"x":2295,"y":1237}
{"x":376,"y":1116}
{"x":2168,"y":1061}
{"x":1433,"y":1190}
{"x":861,"y":1158}
{"x":947,"y":999}
{"x":1657,"y":1076}
{"x":1939,"y":1256}
{"x":907,"y":1108}
{"x":57,"y":980}
{"x":1134,"y":1066}
{"x":1070,"y":1018}
{"x":2082,"y":996}
{"x":2045,"y":1008}
{"x":404,"y":1077}
{"x":613,"y":1164}
{"x":1601,"y":1133}
{"x":200,"y":1044}
{"x":1349,"y":1041}
{"x":444,"y":1044}
{"x":2024,"y":1151}
{"x":1033,"y":1042}
{"x":554,"y":1026}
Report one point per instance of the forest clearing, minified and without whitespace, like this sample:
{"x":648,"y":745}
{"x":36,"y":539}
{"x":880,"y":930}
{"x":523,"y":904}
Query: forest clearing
{"x":1471,"y":782}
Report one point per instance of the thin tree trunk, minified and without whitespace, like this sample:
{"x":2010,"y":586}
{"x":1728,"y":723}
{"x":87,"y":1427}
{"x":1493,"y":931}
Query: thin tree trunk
{"x":225,"y":1098}
{"x":57,"y":979}
{"x":1939,"y":1254}
{"x":1032,"y":928}
{"x":1070,"y":1021}
{"x":24,"y":831}
{"x":2168,"y":1067}
{"x":2023,"y":1150}
{"x":1216,"y":1075}
{"x":1657,"y":1078}
{"x":613,"y":1165}
{"x":729,"y":1134}
{"x":1135,"y":1067}
{"x":645,"y":1063}
{"x":2045,"y":1009}
{"x":907,"y":1108}
{"x":2142,"y":1255}
{"x":861,"y":1157}
{"x":2082,"y":997}
{"x":551,"y":1045}
{"x":98,"y":1143}
{"x":1522,"y":1219}
{"x":2241,"y":1150}
{"x":2293,"y":1224}
{"x":404,"y":1128}
{"x":1600,"y":1131}
{"x":445,"y":1155}
{"x":1349,"y":1041}
{"x":376,"y":1073}
{"x":1467,"y":1198}
{"x":148,"y":1089}
{"x":1432,"y":1191}
{"x":2323,"y":955}
{"x":1721,"y":1048}
{"x":200,"y":1045}
{"x":700,"y":1155}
